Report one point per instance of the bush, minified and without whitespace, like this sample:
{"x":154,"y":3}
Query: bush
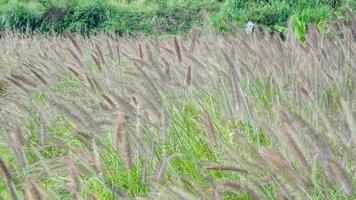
{"x":272,"y":14}
{"x":125,"y":22}
{"x":55,"y":19}
{"x":178,"y":19}
{"x":19,"y":17}
{"x":164,"y":16}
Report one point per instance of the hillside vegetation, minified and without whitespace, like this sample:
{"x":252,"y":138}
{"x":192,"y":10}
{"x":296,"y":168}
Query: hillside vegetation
{"x":167,"y":16}
{"x":207,"y":116}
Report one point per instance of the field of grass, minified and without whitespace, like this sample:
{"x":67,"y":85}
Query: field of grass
{"x":206,"y":116}
{"x":163,"y":16}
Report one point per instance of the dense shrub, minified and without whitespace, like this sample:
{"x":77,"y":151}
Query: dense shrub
{"x":90,"y":17}
{"x":125,"y":22}
{"x":178,"y":19}
{"x":273,"y":14}
{"x":98,"y":16}
{"x":20,"y":17}
{"x":164,"y":16}
{"x":55,"y":19}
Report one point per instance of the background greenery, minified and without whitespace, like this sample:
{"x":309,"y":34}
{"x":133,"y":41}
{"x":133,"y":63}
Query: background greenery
{"x":169,"y":16}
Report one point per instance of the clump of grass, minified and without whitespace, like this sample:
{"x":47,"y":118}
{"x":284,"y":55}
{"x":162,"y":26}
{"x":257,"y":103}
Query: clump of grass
{"x":3,"y":87}
{"x":225,"y":116}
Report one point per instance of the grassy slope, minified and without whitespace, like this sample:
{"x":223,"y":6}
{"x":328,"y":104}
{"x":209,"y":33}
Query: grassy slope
{"x":230,"y":116}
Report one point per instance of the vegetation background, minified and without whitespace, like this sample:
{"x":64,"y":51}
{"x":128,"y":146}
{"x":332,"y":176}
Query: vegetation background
{"x":169,"y":16}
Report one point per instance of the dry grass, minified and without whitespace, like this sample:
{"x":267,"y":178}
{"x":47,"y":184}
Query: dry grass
{"x":204,"y":117}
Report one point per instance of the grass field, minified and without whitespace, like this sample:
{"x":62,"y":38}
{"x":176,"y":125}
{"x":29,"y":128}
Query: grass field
{"x":207,"y":116}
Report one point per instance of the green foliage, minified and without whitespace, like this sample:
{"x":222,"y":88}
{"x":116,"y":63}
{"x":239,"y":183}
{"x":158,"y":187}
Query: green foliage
{"x":300,"y":28}
{"x":148,"y":16}
{"x":273,"y":14}
{"x":90,"y":17}
{"x":20,"y":17}
{"x":94,"y":16}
